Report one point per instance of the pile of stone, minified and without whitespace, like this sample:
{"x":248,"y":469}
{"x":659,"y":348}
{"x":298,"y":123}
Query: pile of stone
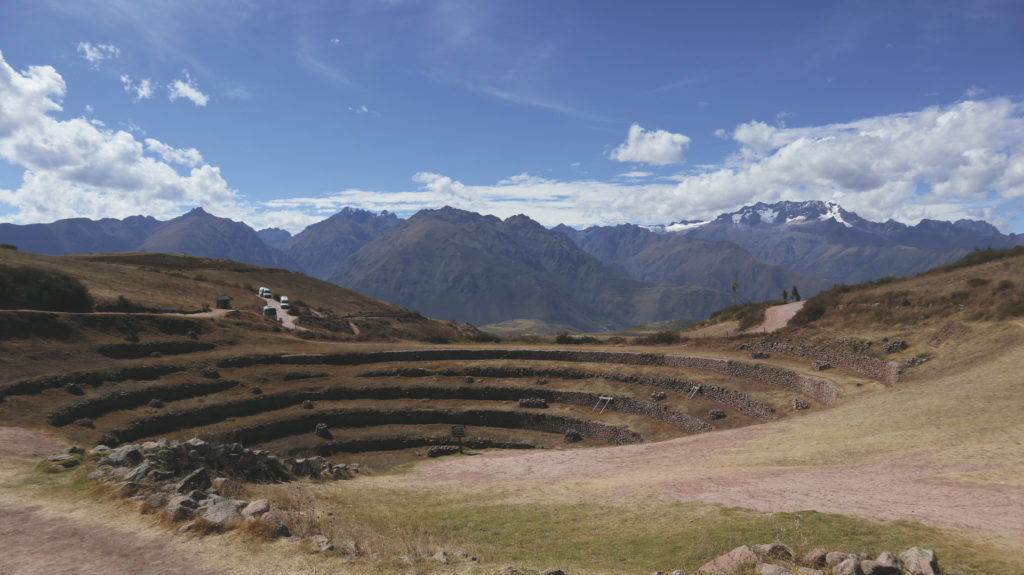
{"x":777,"y":559}
{"x":442,"y":450}
{"x":894,"y":345}
{"x":533,"y":402}
{"x":800,"y":404}
{"x":716,"y":414}
{"x":821,"y":365}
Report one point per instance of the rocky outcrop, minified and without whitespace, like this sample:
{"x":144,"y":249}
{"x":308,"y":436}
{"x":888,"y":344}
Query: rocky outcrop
{"x":777,"y":559}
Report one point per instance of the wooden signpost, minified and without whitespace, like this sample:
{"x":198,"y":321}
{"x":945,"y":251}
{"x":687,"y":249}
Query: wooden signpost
{"x":459,"y":431}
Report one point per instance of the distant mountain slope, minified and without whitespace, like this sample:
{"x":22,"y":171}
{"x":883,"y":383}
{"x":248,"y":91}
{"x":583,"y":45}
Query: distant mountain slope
{"x":274,"y":237}
{"x":80,"y":235}
{"x":677,"y":259}
{"x":820,"y":238}
{"x":323,"y":246}
{"x":198,"y":233}
{"x":460,"y":265}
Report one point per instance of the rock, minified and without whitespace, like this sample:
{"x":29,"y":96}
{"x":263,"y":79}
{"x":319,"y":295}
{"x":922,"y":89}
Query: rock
{"x":759,"y":355}
{"x":739,"y":558}
{"x":849,"y":566}
{"x":716,"y":414}
{"x":322,"y":431}
{"x":821,"y":365}
{"x":442,"y":557}
{"x":323,"y":543}
{"x":552,"y":572}
{"x":124,"y":456}
{"x":307,"y":404}
{"x":833,"y":558}
{"x":440,"y":450}
{"x":85,"y":422}
{"x":885,"y":564}
{"x":198,"y":479}
{"x":187,"y":527}
{"x":222,"y":511}
{"x":198,"y":495}
{"x":256,"y":508}
{"x":572,"y":436}
{"x":279,"y":529}
{"x":180,"y":508}
{"x":806,"y":571}
{"x":156,"y":402}
{"x":139,"y":473}
{"x":769,"y":569}
{"x":773,"y":551}
{"x":63,"y":461}
{"x":255,"y":390}
{"x":918,"y":561}
{"x":74,"y":388}
{"x":894,"y":346}
{"x":800,"y":404}
{"x":678,"y":572}
{"x":533,"y":402}
{"x":209,"y":372}
{"x":468,"y":379}
{"x":658,"y":396}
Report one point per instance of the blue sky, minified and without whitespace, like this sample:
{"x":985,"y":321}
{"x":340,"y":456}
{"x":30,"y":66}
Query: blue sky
{"x":577,"y":112}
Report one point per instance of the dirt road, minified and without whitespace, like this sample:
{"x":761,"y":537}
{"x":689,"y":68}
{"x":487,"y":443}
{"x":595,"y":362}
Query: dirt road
{"x":777,"y":317}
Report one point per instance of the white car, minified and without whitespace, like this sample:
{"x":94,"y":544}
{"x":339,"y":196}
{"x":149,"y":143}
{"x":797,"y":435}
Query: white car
{"x":269,"y":311}
{"x":284,"y":302}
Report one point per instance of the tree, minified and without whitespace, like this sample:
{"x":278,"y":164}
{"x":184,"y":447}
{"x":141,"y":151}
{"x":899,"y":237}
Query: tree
{"x":796,"y":294}
{"x":735,"y":283}
{"x":785,"y":295}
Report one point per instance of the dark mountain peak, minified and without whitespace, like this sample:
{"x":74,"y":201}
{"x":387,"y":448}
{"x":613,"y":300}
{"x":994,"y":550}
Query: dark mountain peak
{"x":977,"y":226}
{"x":196,"y":213}
{"x":521,"y":223}
{"x":360,"y":215}
{"x":453,"y":216}
{"x":274,"y":237}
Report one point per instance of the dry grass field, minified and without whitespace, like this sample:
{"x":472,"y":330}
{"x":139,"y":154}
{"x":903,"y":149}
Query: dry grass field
{"x":934,"y":460}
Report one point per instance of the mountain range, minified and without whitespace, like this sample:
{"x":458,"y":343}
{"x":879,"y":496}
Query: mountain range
{"x":454,"y":264}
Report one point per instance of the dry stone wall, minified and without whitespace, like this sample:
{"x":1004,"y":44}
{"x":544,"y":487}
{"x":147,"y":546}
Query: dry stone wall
{"x":875,"y":368}
{"x":90,"y":378}
{"x":96,"y":407}
{"x":819,"y":389}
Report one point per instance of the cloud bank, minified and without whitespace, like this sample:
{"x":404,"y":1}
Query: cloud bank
{"x":657,"y":148}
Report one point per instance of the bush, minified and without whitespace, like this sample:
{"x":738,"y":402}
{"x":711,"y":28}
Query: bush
{"x":8,"y":247}
{"x":26,"y":287}
{"x":564,"y":338}
{"x":663,"y":337}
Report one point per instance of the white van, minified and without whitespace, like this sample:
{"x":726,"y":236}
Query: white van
{"x":269,"y":311}
{"x":284,"y":302}
{"x":263,"y":291}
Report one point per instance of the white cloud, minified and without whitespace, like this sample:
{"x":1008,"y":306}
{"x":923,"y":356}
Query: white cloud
{"x":636,"y":175}
{"x":187,"y":89}
{"x":95,"y":55}
{"x":335,"y":41}
{"x":359,"y":109}
{"x":186,"y":157}
{"x":77,"y":167}
{"x":141,"y":90}
{"x":658,"y":147}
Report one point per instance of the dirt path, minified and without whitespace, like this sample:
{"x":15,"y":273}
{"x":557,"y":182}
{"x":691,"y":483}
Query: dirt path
{"x":776,"y":317}
{"x":287,"y":321}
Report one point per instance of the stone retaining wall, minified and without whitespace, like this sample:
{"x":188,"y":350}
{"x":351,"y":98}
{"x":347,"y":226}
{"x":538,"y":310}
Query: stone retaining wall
{"x":819,"y":389}
{"x":209,"y":414}
{"x":137,"y":350}
{"x":875,"y":368}
{"x":91,"y":378}
{"x":98,"y":406}
{"x":397,"y":443}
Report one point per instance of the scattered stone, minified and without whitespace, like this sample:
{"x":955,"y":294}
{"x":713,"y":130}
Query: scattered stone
{"x":716,"y":414}
{"x":156,"y":402}
{"x":279,"y":529}
{"x":821,"y":365}
{"x":441,"y":450}
{"x":540,"y":381}
{"x":140,"y":472}
{"x":75,"y":450}
{"x":799,"y":404}
{"x":74,"y":388}
{"x":918,"y":561}
{"x":307,"y":404}
{"x":209,"y":372}
{"x":255,"y":390}
{"x":442,"y":557}
{"x":323,"y":543}
{"x":739,"y":558}
{"x":894,"y":346}
{"x":468,"y":379}
{"x":533,"y":402}
{"x":85,"y":422}
{"x":572,"y":436}
{"x":760,"y":355}
{"x":63,"y":461}
{"x":658,"y":396}
{"x":126,"y":455}
{"x":322,"y":431}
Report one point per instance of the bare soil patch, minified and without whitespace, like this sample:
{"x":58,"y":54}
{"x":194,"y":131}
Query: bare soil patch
{"x":26,"y":444}
{"x":777,"y":317}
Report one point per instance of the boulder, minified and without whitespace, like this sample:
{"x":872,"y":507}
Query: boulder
{"x":198,"y":479}
{"x":73,"y":388}
{"x":553,"y":572}
{"x":773,"y":551}
{"x":278,"y":528}
{"x":737,"y":559}
{"x":806,"y":571}
{"x":222,"y":511}
{"x":769,"y":569}
{"x":256,"y":508}
{"x":307,"y":404}
{"x":442,"y":557}
{"x":323,"y":543}
{"x":918,"y":561}
{"x":124,"y":456}
{"x":849,"y":566}
{"x":833,"y":558}
{"x":180,"y":508}
{"x":885,"y":564}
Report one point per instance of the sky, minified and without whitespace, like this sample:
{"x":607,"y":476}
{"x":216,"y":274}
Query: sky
{"x":582,"y":112}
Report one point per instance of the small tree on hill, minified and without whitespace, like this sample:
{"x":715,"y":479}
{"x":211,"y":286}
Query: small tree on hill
{"x":785,"y":295}
{"x":735,"y":284}
{"x":796,"y":294}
